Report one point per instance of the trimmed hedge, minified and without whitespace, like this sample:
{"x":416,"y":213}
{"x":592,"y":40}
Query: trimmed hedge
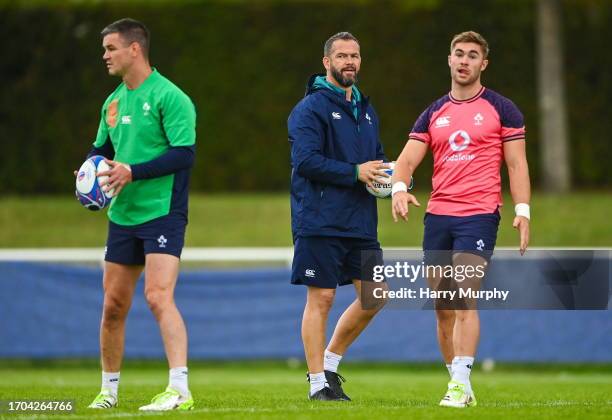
{"x":245,"y":65}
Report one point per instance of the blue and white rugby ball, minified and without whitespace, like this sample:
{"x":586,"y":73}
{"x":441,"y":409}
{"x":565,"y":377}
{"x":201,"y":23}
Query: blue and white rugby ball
{"x":89,"y":185}
{"x":384,"y":190}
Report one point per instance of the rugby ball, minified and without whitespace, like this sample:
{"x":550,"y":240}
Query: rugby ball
{"x":89,"y":184}
{"x":384,"y":190}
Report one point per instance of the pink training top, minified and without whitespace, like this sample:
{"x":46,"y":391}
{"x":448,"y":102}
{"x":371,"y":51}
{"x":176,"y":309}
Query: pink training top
{"x":466,"y":140}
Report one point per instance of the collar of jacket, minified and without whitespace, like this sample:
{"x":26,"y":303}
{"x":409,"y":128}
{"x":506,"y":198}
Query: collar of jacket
{"x":319,"y":82}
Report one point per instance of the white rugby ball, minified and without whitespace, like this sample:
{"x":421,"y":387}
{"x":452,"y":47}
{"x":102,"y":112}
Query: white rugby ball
{"x":382,"y":190}
{"x":89,"y":184}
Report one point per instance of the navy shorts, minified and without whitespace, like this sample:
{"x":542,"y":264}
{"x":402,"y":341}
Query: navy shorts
{"x":472,"y":234}
{"x":330,"y":261}
{"x":129,"y":244}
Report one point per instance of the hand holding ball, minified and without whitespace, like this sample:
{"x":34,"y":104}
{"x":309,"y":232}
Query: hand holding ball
{"x":383,"y":189}
{"x":89,"y":185}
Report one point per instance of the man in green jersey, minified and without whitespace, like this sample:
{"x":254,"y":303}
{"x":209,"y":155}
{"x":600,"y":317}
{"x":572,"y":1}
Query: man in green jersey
{"x":147,"y":134}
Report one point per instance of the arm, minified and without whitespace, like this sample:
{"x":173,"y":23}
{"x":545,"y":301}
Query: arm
{"x":406,"y":164}
{"x":306,"y":135}
{"x":107,"y":150}
{"x":178,"y":119}
{"x":520,"y":189}
{"x":102,"y":145}
{"x":174,"y":160}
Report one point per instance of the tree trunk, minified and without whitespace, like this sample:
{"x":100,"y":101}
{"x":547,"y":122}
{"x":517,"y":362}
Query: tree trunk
{"x":553,"y":115}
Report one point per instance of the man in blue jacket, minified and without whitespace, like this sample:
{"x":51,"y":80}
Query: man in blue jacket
{"x":335,"y":150}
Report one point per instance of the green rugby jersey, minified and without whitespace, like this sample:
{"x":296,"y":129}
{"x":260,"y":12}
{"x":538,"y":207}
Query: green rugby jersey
{"x":142,"y":124}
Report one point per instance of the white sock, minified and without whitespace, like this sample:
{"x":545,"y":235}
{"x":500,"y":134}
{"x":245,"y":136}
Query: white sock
{"x":462,"y":367}
{"x":331,"y":361}
{"x":449,"y":367}
{"x":178,"y":380}
{"x":317,"y":382}
{"x":110,"y":381}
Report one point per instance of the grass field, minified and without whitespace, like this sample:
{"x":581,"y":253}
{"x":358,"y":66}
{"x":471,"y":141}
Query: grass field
{"x":274,"y":390}
{"x":277,"y":390}
{"x":576,"y":219}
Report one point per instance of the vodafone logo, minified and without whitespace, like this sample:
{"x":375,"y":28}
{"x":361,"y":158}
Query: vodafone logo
{"x":464,"y":138}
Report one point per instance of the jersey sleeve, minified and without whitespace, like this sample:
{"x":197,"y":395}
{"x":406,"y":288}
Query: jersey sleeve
{"x":102,"y":136}
{"x":512,"y":123}
{"x":420,"y":131}
{"x":174,"y":160}
{"x":178,"y":119}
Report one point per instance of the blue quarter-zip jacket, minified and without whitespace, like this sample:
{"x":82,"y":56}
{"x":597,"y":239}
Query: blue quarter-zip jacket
{"x":328,"y":139}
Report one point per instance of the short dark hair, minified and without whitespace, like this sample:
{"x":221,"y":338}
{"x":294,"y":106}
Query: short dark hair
{"x":132,"y":31}
{"x":346,"y":36}
{"x":474,"y":37}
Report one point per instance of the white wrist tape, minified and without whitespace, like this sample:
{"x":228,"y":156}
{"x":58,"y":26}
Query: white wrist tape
{"x":399,"y":186}
{"x":522,"y":209}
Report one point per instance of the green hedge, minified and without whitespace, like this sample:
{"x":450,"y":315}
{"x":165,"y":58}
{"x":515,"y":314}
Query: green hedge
{"x":245,"y":64}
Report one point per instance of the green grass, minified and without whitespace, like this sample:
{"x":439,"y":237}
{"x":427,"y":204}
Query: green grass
{"x":273,"y":390}
{"x":577,"y":219}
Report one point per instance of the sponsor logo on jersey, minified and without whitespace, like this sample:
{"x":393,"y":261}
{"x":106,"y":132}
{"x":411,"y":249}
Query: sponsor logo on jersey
{"x":459,"y":141}
{"x":126,"y":119}
{"x":336,"y":115}
{"x":146,"y":108}
{"x":443,"y":121}
{"x":458,"y":157}
{"x":464,"y":136}
{"x":368,"y":118}
{"x":478,"y":119}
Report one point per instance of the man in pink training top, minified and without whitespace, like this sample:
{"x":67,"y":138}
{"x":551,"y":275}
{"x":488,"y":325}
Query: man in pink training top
{"x":469,"y":131}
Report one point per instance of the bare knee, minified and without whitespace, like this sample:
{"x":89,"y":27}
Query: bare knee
{"x":320,"y":300}
{"x":370,"y":311}
{"x":158,"y":299}
{"x":445,"y":316}
{"x":372,"y":296}
{"x":466,"y":316}
{"x":375,"y":306}
{"x":115,"y":309}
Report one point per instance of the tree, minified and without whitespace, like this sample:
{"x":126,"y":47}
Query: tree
{"x":553,"y":114}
